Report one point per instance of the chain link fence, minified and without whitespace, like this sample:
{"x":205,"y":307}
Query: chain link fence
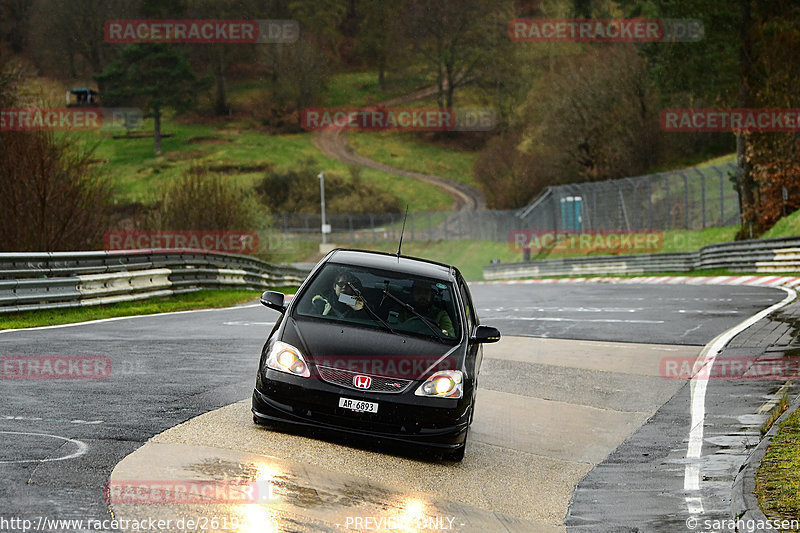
{"x":694,"y":198}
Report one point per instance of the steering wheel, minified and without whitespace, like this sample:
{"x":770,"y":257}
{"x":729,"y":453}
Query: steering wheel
{"x":416,"y":325}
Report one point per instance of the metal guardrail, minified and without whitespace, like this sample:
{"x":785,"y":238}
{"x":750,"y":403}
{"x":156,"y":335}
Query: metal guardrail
{"x":751,"y":256}
{"x":50,"y":280}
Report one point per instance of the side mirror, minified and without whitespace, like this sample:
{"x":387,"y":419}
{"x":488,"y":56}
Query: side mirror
{"x":484,"y":334}
{"x":274,"y":300}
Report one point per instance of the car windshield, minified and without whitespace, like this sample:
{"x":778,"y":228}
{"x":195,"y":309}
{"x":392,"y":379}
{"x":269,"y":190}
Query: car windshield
{"x":382,"y":299}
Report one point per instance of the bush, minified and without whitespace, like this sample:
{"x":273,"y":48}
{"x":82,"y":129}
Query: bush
{"x":509,"y":177}
{"x":297,"y":191}
{"x":204,"y":200}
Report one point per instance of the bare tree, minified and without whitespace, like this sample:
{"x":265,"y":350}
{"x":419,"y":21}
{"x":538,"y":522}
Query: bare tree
{"x":457,"y":39}
{"x":597,"y":111}
{"x":52,"y":195}
{"x":69,"y":35}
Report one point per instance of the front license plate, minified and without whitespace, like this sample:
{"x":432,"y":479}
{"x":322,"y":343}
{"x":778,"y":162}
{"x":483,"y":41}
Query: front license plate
{"x":358,"y":406}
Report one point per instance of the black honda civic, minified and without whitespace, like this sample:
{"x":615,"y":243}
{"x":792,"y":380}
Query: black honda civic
{"x":377,"y":345}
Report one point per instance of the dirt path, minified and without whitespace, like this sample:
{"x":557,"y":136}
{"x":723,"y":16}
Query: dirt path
{"x":333,"y":143}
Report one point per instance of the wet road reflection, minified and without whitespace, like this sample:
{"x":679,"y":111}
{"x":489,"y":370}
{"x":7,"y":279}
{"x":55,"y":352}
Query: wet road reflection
{"x":263,"y":494}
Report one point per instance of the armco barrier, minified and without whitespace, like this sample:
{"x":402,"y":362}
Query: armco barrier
{"x":31,"y":281}
{"x":752,"y":256}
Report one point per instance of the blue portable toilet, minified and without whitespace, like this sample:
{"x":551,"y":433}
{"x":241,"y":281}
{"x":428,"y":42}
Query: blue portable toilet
{"x":571,"y":217}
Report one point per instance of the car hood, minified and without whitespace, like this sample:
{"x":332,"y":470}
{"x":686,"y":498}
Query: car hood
{"x":370,"y":350}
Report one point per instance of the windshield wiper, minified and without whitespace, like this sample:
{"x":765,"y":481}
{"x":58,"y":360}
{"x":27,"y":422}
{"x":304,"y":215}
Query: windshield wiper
{"x":372,"y":313}
{"x":410,"y":309}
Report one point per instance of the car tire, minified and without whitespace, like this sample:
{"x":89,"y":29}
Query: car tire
{"x":457,"y":455}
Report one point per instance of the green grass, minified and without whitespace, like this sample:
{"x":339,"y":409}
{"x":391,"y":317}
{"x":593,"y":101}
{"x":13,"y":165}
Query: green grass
{"x":687,"y":241}
{"x":788,"y":226}
{"x":778,"y":477}
{"x":775,"y":413}
{"x":468,"y":256}
{"x":410,"y":151}
{"x":203,"y":299}
{"x":361,"y":88}
{"x":138,"y":174}
{"x":670,"y":241}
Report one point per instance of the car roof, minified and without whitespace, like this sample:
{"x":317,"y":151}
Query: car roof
{"x":385,"y":261}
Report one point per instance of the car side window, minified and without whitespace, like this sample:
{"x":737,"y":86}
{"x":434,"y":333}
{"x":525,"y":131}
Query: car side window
{"x":470,"y":312}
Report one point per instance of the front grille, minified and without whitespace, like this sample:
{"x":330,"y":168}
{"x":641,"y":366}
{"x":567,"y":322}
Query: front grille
{"x":344,"y":378}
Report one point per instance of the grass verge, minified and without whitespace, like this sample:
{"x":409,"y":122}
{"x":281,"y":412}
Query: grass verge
{"x":778,"y":477}
{"x":787,"y":226}
{"x":410,"y":151}
{"x":204,"y":299}
{"x":138,"y":173}
{"x":776,"y":413}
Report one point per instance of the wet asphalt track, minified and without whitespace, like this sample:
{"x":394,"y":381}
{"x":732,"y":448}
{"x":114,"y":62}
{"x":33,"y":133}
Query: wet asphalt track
{"x":168,"y":369}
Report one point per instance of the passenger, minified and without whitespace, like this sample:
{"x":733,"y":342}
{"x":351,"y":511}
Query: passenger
{"x":341,"y":301}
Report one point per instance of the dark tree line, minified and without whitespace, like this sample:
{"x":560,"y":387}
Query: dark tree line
{"x":568,"y":111}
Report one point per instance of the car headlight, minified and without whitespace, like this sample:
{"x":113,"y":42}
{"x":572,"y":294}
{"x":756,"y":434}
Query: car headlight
{"x":286,"y":358}
{"x":444,"y":384}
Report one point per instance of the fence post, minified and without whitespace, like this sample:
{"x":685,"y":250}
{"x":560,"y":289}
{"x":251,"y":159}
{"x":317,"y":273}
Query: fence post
{"x":667,"y":199}
{"x":702,"y":194}
{"x":350,"y":224}
{"x":721,"y":195}
{"x":556,"y":207}
{"x":685,"y":198}
{"x":430,"y":227}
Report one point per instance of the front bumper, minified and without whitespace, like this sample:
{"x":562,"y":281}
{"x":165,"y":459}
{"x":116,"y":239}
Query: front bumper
{"x":403,"y":417}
